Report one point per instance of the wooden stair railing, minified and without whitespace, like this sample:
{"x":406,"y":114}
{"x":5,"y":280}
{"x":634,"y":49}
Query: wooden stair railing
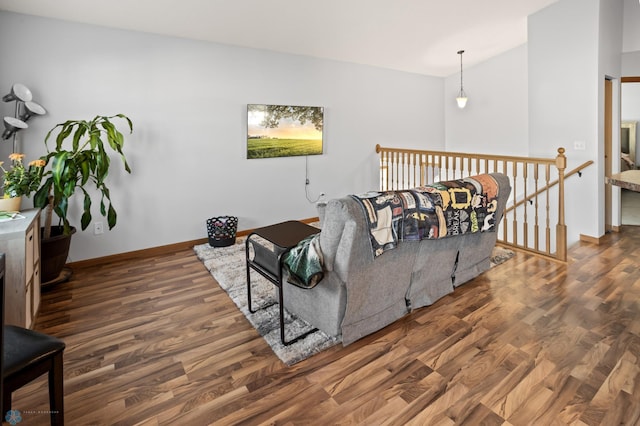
{"x":533,"y":221}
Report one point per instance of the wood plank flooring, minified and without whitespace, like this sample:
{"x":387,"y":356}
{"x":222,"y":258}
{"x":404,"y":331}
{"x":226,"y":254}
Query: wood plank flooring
{"x":155,"y":341}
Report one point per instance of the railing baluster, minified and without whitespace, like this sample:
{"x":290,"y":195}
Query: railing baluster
{"x":548,"y":202}
{"x":514,"y":185}
{"x":536,"y":228}
{"x":403,"y":176}
{"x":388,"y":171}
{"x":416,"y":169}
{"x":525,"y":176}
{"x":446,"y":169}
{"x":394,"y":177}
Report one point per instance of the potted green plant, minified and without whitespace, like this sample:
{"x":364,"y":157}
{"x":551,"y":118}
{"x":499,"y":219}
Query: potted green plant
{"x":19,"y":180}
{"x":80,"y":158}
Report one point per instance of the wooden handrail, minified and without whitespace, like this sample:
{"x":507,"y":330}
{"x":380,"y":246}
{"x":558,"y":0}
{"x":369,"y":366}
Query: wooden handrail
{"x":466,"y":155}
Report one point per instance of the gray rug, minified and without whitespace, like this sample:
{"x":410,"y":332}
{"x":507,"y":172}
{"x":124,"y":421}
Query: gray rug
{"x":227,"y":265}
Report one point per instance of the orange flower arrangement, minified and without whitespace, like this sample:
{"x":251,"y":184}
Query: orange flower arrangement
{"x":20,"y":180}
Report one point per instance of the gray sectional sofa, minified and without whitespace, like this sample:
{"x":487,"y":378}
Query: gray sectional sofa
{"x":360,"y":294}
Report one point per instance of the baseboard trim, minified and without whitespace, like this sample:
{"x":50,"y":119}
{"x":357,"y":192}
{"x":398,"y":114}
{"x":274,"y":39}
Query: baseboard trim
{"x":155,"y":251}
{"x":590,"y":239}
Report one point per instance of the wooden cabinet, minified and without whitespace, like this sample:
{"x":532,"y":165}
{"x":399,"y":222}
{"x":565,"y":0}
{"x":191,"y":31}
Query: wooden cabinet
{"x":20,"y":242}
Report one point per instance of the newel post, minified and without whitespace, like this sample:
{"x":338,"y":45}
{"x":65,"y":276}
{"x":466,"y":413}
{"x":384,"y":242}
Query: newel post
{"x":561,"y":228}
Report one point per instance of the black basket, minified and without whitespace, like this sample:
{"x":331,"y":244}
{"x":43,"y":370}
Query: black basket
{"x":222,"y":230}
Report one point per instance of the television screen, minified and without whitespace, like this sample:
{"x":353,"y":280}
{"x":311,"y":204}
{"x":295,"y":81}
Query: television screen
{"x":283,"y":130}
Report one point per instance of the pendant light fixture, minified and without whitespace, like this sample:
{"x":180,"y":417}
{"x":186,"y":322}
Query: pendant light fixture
{"x":462,"y":97}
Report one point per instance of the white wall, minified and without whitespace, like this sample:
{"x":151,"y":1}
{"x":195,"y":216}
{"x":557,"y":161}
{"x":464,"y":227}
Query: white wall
{"x":631,"y":102}
{"x":563,"y":98}
{"x":187,"y":100}
{"x":563,"y":76}
{"x":495,"y":118}
{"x":630,"y":26}
{"x":631,"y":63}
{"x":610,"y":67}
{"x":570,"y":52}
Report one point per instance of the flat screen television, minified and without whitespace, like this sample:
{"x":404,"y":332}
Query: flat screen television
{"x":284,"y":130}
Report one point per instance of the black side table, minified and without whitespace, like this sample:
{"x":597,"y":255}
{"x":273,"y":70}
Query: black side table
{"x":284,"y":236}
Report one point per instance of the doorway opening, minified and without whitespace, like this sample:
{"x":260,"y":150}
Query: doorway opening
{"x":630,"y":157}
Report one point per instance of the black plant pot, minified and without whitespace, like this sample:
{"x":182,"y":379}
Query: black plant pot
{"x":53,"y":255}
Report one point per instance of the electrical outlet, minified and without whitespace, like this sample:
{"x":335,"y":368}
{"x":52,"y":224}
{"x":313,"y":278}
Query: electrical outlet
{"x":579,"y":145}
{"x":97,"y":228}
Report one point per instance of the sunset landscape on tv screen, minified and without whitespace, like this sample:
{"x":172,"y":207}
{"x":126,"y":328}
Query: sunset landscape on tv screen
{"x":284,"y":130}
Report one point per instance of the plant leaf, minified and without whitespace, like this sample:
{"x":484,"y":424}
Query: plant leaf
{"x":41,"y":198}
{"x":112,"y":217}
{"x":86,"y":214}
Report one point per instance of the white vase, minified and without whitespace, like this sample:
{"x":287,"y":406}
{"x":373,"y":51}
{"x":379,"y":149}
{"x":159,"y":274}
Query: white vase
{"x":10,"y":204}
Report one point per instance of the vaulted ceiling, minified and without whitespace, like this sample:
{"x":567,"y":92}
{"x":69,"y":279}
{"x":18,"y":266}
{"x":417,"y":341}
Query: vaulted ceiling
{"x":419,"y":36}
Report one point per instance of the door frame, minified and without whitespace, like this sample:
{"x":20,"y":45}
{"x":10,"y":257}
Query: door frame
{"x":635,"y":79}
{"x":608,"y":152}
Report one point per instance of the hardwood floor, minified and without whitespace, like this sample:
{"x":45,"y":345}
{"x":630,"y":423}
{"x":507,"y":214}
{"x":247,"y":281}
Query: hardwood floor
{"x":530,"y":342}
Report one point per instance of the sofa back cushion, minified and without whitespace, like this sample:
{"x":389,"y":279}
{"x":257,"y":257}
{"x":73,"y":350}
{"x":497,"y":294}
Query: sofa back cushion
{"x":333,"y":217}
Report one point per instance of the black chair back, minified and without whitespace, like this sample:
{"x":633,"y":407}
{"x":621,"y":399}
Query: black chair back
{"x":1,"y":324}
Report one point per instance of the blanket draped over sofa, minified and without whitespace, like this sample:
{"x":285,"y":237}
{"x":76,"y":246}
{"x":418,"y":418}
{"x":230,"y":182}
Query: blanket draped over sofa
{"x":304,"y":263}
{"x":440,"y":210}
{"x":361,"y":293}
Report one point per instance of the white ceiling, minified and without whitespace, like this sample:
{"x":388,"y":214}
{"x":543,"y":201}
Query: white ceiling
{"x":420,"y":36}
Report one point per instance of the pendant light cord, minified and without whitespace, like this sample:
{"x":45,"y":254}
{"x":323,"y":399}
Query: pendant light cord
{"x":460,"y":52}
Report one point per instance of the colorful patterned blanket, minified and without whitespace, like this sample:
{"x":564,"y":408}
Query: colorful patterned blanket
{"x":443,"y":209}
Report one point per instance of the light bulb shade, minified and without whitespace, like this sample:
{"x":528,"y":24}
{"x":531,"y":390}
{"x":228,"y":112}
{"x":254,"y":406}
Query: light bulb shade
{"x":461,"y":99}
{"x":12,"y":125}
{"x":19,"y":92}
{"x":31,"y":109}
